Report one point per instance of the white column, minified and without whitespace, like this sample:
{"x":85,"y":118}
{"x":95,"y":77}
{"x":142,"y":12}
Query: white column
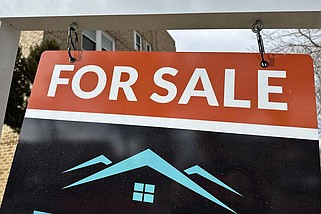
{"x":9,"y":40}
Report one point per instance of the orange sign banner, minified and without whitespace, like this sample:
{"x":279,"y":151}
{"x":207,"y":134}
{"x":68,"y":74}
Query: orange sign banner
{"x":224,"y":87}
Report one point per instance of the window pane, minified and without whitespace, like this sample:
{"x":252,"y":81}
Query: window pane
{"x":138,"y":39}
{"x":138,"y":42}
{"x":90,"y":33}
{"x":107,"y":44}
{"x":148,"y":47}
{"x":87,"y":44}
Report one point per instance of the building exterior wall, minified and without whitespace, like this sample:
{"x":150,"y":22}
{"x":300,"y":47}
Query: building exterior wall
{"x":59,"y":35}
{"x":8,"y":144}
{"x":164,"y":42}
{"x":124,"y":41}
{"x":159,"y":40}
{"x":28,"y":39}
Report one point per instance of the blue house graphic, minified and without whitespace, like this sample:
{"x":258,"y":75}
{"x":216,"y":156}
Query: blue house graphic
{"x":148,"y":158}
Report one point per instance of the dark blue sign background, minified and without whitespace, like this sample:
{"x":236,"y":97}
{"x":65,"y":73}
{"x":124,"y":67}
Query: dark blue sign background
{"x":273,"y":175}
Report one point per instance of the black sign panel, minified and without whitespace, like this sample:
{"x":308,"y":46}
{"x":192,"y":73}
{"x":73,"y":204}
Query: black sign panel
{"x":268,"y":174}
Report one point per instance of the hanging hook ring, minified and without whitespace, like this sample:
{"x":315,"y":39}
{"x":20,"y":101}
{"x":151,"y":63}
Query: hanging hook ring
{"x":264,"y":64}
{"x":256,"y":28}
{"x":72,"y":44}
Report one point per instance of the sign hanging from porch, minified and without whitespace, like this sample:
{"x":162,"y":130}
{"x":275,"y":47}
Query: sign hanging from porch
{"x":129,"y":132}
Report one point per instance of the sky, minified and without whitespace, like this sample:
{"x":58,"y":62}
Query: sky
{"x":214,"y":40}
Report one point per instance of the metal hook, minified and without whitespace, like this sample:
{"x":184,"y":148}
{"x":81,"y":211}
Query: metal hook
{"x":256,"y":28}
{"x":73,"y":28}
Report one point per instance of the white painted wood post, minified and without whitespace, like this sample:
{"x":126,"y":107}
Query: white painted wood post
{"x":9,"y":41}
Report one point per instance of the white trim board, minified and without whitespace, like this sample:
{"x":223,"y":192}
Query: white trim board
{"x":165,"y":14}
{"x":176,"y":123}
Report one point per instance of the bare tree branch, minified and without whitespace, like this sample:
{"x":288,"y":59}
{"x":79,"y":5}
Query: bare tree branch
{"x":309,"y":38}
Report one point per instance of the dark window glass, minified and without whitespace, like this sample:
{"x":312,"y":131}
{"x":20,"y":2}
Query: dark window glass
{"x":88,"y":44}
{"x":90,"y":34}
{"x":138,"y":42}
{"x":106,"y":43}
{"x":148,"y":47}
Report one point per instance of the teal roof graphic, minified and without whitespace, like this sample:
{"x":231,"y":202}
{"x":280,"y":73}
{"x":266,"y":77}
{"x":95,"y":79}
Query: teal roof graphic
{"x":151,"y":159}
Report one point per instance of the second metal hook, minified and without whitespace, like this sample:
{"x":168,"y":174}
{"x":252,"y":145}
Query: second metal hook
{"x":72,"y":44}
{"x":256,"y":28}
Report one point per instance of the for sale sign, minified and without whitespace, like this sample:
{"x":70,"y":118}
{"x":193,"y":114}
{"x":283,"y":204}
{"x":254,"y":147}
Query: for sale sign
{"x":129,"y":132}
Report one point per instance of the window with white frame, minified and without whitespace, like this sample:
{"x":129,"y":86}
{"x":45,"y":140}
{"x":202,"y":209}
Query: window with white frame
{"x":137,"y":41}
{"x":97,"y":40}
{"x":148,"y":47}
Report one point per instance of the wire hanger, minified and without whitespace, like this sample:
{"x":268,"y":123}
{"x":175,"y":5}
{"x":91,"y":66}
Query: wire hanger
{"x":256,"y":28}
{"x":72,"y":43}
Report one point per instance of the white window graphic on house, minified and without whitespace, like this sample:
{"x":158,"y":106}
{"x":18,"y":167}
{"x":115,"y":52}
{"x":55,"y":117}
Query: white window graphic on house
{"x":97,"y":40}
{"x":144,"y":192}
